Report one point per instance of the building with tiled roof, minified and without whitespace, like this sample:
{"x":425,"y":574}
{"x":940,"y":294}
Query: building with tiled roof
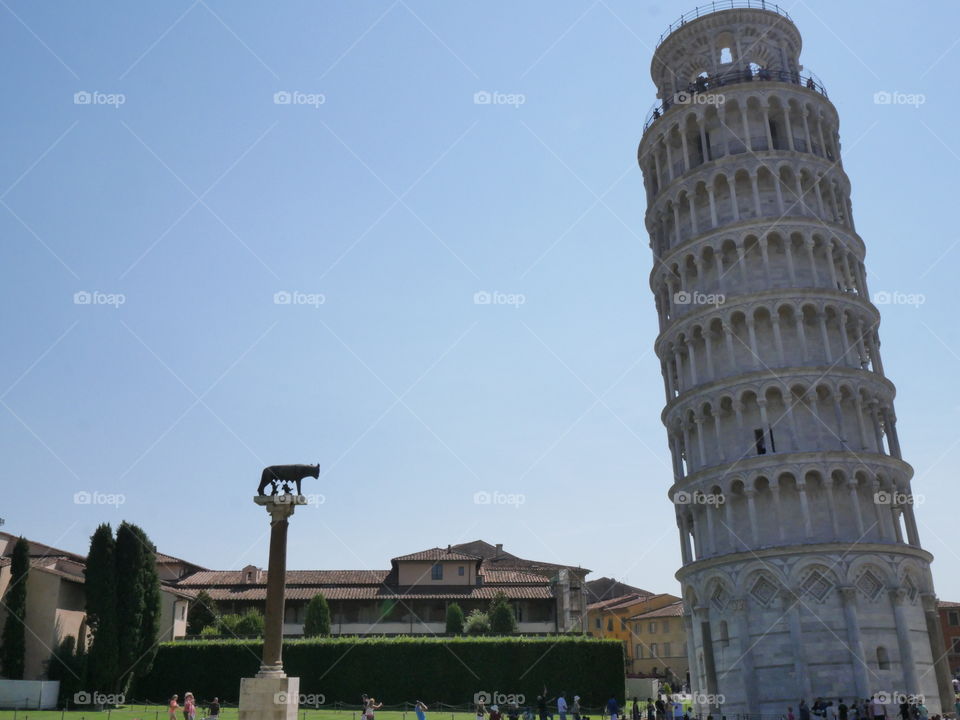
{"x":56,"y":601}
{"x":412,"y":596}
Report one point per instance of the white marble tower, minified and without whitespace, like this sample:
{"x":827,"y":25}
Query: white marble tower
{"x":803,"y":574}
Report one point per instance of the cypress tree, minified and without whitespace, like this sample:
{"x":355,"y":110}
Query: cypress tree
{"x":101,"y":590}
{"x":13,"y":649}
{"x":317,"y":621}
{"x":454,"y":619}
{"x":138,"y":602}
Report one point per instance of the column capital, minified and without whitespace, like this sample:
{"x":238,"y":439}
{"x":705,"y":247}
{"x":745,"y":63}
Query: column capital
{"x":848,"y":593}
{"x":898,"y":595}
{"x":279,"y":507}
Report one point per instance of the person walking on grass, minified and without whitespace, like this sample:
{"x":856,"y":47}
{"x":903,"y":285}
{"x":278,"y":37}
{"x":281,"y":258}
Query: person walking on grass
{"x":562,"y":706}
{"x":576,"y":707}
{"x":420,"y":709}
{"x":214,"y":709}
{"x":189,"y":707}
{"x":613,"y":708}
{"x":172,"y":708}
{"x":372,"y":705}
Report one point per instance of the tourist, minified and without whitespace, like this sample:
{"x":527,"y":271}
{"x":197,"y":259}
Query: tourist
{"x":651,"y":710}
{"x":513,"y":710}
{"x":172,"y":708}
{"x":790,"y":715}
{"x":562,"y":705}
{"x":372,"y":705}
{"x":661,"y":708}
{"x":576,"y":707}
{"x":214,"y":708}
{"x":480,"y":710}
{"x":878,"y":711}
{"x":613,"y":708}
{"x":842,"y":710}
{"x":494,"y":712}
{"x":542,"y":705}
{"x":635,"y":709}
{"x":956,"y":707}
{"x":189,"y":707}
{"x":922,"y":711}
{"x":804,"y":710}
{"x":420,"y":709}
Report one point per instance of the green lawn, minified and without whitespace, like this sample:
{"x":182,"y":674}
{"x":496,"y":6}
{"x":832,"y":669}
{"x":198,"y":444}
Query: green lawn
{"x":157,"y":712}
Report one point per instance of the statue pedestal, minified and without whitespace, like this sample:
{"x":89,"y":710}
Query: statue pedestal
{"x":269,"y":698}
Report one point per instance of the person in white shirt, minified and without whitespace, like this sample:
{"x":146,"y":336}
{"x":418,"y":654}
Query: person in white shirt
{"x":562,"y":706}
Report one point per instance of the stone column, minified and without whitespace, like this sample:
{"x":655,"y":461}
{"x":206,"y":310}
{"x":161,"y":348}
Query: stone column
{"x":854,"y":641}
{"x":747,"y":674}
{"x":898,"y":597}
{"x":792,"y":613}
{"x":939,"y":650}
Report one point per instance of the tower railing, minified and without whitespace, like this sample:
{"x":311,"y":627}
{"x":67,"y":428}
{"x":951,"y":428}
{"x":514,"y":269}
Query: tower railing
{"x":712,"y":7}
{"x":712,"y":83}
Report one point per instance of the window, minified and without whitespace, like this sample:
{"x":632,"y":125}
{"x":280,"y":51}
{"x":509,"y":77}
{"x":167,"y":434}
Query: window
{"x":724,"y":633}
{"x":636,"y":628}
{"x":953,"y":618}
{"x":652,"y":627}
{"x":883,"y":660}
{"x":599,"y":624}
{"x":666,"y":650}
{"x":760,"y":442}
{"x":638,"y":652}
{"x":666,"y":626}
{"x":725,"y":56}
{"x":609,"y":625}
{"x":956,"y":646}
{"x":623,"y":624}
{"x":653,"y":649}
{"x":436,"y":572}
{"x":460,"y":571}
{"x":183,"y":612}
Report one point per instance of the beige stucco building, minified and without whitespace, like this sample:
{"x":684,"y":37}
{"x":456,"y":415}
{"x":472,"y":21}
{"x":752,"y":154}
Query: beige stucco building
{"x":56,"y":602}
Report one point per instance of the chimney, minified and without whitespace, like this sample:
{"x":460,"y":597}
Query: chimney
{"x":499,"y":550}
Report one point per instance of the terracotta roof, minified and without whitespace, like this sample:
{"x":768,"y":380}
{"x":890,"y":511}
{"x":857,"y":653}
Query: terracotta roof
{"x":606,"y":588}
{"x":171,"y":560}
{"x":948,"y":604}
{"x":501,"y":558}
{"x":437,"y":554}
{"x":511,"y":576}
{"x":671,"y":610}
{"x":179,"y":592}
{"x":39,"y":550}
{"x":206,"y":578}
{"x":471,"y":592}
{"x":619,"y":602}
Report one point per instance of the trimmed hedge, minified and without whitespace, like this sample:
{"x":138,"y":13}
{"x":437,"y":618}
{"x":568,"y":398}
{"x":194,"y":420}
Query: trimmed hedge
{"x":398,"y":669}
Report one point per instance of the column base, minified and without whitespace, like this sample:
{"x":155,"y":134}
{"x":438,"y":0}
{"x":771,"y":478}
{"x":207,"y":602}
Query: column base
{"x":269,"y":697}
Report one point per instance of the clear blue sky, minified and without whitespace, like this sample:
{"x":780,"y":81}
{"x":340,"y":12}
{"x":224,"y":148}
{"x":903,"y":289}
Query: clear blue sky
{"x":397,"y":199}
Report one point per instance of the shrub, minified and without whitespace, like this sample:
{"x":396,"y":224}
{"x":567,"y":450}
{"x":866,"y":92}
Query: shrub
{"x":478,"y":623}
{"x":202,"y":614}
{"x":317,"y":621}
{"x":454,"y":619}
{"x":448,"y":670}
{"x":502,"y":619}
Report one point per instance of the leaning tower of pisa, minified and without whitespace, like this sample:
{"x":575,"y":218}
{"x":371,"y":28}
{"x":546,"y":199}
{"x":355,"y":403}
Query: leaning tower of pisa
{"x":802,"y":572}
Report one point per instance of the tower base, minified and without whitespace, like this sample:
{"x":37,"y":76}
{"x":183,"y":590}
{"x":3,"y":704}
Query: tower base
{"x":269,"y":698}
